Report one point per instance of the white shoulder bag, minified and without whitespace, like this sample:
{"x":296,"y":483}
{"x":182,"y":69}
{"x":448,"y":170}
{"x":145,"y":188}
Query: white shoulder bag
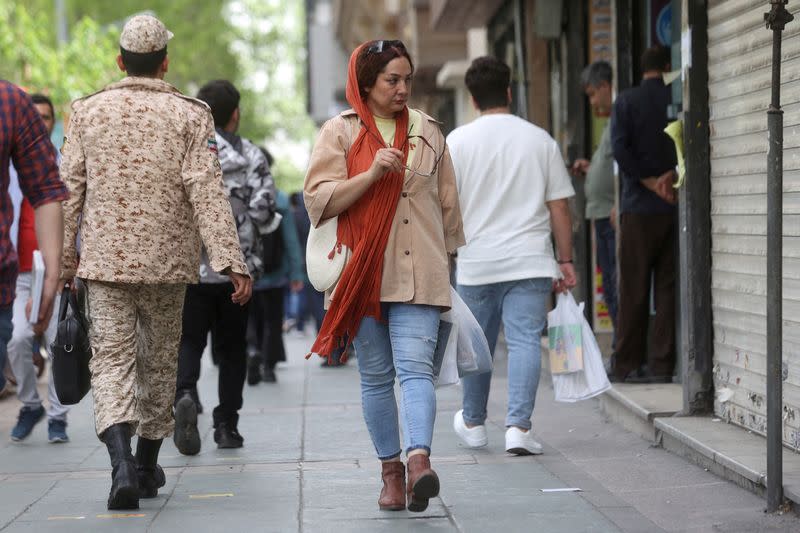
{"x":325,"y":257}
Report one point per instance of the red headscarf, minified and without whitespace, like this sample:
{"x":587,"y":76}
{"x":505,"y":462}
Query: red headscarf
{"x":364,"y":227}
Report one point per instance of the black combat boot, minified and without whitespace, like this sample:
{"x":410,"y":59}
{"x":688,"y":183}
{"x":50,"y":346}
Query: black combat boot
{"x":124,"y":483}
{"x":151,"y":475}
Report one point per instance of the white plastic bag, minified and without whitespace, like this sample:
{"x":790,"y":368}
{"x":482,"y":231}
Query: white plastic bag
{"x":461,"y":348}
{"x":445,"y":366}
{"x":591,"y":379}
{"x":474,"y":356}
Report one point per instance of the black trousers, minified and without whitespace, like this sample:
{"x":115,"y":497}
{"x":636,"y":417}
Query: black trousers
{"x":646,"y":252}
{"x":208,"y":306}
{"x":265,"y":326}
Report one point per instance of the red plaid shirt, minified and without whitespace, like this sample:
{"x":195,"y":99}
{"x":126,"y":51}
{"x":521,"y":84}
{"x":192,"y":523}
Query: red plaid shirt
{"x":25,"y":143}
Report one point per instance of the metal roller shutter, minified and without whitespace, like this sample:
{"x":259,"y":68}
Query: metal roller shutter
{"x":740,"y":54}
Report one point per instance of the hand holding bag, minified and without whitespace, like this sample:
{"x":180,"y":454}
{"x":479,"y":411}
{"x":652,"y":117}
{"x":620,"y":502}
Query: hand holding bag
{"x":579,"y":373}
{"x":70,"y":349}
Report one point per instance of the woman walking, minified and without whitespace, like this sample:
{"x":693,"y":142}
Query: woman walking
{"x":385,"y":171}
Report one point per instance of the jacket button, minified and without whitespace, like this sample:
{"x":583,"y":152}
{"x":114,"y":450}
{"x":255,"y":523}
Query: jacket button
{"x":405,"y":195}
{"x":407,"y":252}
{"x":405,"y":221}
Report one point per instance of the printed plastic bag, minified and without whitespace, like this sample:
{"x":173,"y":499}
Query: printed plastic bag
{"x":591,"y":379}
{"x":461,"y":347}
{"x":564,"y":335}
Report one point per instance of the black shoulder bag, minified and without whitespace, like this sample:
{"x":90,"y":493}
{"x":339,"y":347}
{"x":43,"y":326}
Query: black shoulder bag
{"x":71,"y":350}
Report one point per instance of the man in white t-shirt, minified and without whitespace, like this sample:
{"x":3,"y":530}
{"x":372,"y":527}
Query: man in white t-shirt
{"x":514,"y":189}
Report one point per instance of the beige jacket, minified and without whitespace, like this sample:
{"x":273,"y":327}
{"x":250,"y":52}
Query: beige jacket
{"x":427,"y":225}
{"x":140,"y":161}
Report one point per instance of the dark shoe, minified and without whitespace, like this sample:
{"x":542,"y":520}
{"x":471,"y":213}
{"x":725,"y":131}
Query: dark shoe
{"x":227,"y":436}
{"x":57,"y":431}
{"x":253,"y":370}
{"x":28,"y":417}
{"x":393,"y":493}
{"x":186,"y":436}
{"x":268,"y":375}
{"x":423,"y":483}
{"x":124,"y":480}
{"x":151,"y":475}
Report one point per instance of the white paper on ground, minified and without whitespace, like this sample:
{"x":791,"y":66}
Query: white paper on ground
{"x":568,"y":489}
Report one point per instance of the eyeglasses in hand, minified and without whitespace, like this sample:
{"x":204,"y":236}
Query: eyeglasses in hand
{"x":410,"y":138}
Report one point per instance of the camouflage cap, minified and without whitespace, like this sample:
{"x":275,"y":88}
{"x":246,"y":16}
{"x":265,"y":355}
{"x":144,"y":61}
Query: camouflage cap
{"x":144,"y":34}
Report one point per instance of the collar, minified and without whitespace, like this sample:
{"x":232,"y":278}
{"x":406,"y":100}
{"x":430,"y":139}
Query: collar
{"x":151,"y":84}
{"x":351,"y":113}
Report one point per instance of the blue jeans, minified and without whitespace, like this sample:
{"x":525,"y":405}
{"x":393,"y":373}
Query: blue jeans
{"x":606,"y":242}
{"x":401,"y":347}
{"x":522,"y":307}
{"x":6,"y":327}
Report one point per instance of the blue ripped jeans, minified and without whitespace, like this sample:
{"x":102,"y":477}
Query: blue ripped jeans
{"x":402,"y":347}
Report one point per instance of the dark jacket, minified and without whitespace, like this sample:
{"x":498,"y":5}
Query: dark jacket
{"x":641,"y":148}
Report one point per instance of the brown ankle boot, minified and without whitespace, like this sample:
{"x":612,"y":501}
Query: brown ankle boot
{"x":393,"y":497}
{"x":423,"y":483}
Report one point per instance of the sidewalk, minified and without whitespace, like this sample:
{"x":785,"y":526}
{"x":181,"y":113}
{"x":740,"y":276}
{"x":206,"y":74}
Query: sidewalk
{"x":308,"y":466}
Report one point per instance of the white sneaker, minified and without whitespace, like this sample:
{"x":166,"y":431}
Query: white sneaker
{"x":474,"y":437}
{"x":520,"y":442}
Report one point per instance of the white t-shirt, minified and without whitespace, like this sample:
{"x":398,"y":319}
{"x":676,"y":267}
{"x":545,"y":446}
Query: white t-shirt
{"x":506,"y":169}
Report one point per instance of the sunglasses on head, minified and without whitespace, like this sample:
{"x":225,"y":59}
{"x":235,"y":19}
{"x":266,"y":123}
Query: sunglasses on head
{"x":379,"y":47}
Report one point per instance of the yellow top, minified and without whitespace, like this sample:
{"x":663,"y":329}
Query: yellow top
{"x":386,"y":127}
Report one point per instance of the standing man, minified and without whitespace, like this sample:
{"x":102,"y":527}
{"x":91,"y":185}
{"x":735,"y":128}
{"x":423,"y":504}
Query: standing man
{"x":596,"y":80}
{"x":513,"y":188}
{"x":646,"y":158}
{"x":20,"y":347}
{"x":208,"y":305}
{"x":25,"y":143}
{"x":141,"y":165}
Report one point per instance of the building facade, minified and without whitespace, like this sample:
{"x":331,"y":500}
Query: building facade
{"x":721,"y":54}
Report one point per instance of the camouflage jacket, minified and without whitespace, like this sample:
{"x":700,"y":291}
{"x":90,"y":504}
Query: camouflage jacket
{"x":140,"y":162}
{"x":246,"y":176}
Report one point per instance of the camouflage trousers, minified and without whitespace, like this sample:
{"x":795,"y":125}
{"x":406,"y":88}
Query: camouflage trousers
{"x":135,"y":331}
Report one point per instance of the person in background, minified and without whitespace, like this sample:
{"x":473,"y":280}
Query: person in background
{"x":394,"y":194}
{"x":296,"y":304}
{"x":647,"y":233}
{"x":281,"y":251}
{"x":596,"y":81}
{"x":208,"y":305}
{"x":25,"y":143}
{"x":142,"y":227}
{"x":21,"y":346}
{"x":514,"y":192}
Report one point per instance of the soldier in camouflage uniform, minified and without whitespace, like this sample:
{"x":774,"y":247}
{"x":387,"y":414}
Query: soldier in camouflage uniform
{"x":145,"y":192}
{"x":247,"y":178}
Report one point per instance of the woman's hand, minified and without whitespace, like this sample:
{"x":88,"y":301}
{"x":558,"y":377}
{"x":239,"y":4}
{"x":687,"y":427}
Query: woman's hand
{"x":386,"y":160}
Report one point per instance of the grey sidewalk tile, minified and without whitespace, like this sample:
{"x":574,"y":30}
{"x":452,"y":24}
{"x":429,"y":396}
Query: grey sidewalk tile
{"x":632,"y":473}
{"x":263,"y":501}
{"x":323,"y":524}
{"x":676,"y":509}
{"x":17,"y":495}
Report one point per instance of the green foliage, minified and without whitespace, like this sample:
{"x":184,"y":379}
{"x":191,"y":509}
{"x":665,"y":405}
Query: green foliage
{"x":257,"y":44}
{"x":30,"y":57}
